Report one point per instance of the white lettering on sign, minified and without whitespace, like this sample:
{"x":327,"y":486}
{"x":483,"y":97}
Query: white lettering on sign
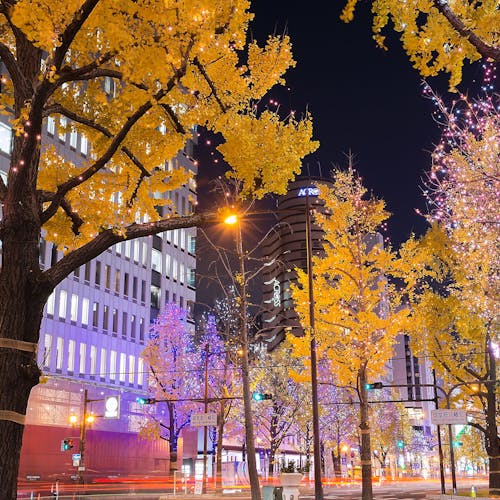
{"x":308,"y":191}
{"x":451,"y":417}
{"x":276,"y":293}
{"x":203,"y":419}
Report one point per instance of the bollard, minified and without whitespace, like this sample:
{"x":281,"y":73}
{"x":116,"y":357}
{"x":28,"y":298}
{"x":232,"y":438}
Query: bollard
{"x":473,"y":492}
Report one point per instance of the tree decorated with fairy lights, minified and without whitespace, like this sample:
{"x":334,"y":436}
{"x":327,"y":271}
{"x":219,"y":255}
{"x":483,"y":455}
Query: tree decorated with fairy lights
{"x":438,"y":35}
{"x":134,"y":79}
{"x":457,"y":304}
{"x":175,"y":379}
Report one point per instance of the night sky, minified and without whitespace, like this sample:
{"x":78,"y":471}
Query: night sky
{"x":363,"y":100}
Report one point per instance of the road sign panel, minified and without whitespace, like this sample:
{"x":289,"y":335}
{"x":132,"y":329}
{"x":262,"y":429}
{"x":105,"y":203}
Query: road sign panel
{"x":203,"y":419}
{"x":453,"y":417}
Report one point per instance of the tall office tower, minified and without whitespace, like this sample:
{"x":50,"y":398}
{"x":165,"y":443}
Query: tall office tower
{"x":286,"y":248}
{"x":414,"y":376}
{"x":94,"y":329}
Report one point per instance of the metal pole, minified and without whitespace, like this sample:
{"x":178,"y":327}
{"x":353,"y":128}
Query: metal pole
{"x":318,"y":486}
{"x":205,"y":428}
{"x":440,"y":445}
{"x":83,"y":431}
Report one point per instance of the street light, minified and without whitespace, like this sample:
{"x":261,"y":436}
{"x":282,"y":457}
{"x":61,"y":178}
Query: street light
{"x":232,"y":219}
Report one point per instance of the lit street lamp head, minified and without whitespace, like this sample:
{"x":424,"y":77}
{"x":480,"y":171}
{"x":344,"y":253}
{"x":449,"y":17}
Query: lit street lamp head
{"x":231,"y":219}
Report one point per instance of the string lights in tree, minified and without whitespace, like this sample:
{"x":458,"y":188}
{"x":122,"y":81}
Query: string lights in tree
{"x":463,"y":186}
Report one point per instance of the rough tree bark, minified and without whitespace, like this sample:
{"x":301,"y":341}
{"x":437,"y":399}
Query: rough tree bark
{"x":365,"y":452}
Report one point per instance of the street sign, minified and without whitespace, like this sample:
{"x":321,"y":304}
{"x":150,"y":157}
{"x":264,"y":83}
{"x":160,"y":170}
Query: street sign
{"x":76,"y":456}
{"x":451,"y":417}
{"x":203,"y":419}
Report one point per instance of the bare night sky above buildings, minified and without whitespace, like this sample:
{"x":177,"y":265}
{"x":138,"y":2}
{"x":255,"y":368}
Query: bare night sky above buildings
{"x":363,"y":100}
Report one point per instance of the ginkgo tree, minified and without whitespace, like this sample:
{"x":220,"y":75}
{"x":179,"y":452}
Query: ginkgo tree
{"x":456,"y":307}
{"x":359,"y":311}
{"x":438,"y":35}
{"x":134,"y":78}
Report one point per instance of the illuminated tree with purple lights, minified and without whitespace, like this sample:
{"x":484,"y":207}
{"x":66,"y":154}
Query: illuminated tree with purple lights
{"x":223,"y":378}
{"x":175,"y":378}
{"x":456,"y":311}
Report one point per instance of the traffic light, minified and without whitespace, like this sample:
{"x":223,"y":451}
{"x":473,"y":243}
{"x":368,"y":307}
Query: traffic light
{"x":259,"y":396}
{"x":374,"y":385}
{"x":67,"y":444}
{"x":400,"y":443}
{"x":146,"y":401}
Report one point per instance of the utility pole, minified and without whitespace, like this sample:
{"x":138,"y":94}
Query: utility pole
{"x":205,"y":427}
{"x":318,"y":485}
{"x":83,"y":431}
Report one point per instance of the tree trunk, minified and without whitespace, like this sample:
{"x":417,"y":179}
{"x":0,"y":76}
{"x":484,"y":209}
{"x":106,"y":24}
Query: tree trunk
{"x":220,"y":435}
{"x":20,"y":316}
{"x":366,"y":463}
{"x":492,"y":439}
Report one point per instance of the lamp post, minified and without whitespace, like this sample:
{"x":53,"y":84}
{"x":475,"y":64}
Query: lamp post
{"x":318,"y":486}
{"x":245,"y":378}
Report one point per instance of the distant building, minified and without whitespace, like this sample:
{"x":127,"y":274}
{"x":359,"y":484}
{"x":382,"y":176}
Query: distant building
{"x":286,"y":248}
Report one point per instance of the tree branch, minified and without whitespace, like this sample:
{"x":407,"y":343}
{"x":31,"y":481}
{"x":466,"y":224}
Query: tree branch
{"x":202,"y":70}
{"x":67,"y":37}
{"x":456,"y":23}
{"x":109,"y":237}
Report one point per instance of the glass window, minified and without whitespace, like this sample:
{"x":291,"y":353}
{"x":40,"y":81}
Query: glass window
{"x":156,"y":260}
{"x":102,"y":367}
{"x":124,"y":324}
{"x":51,"y":125}
{"x":59,"y":353}
{"x":176,"y":237}
{"x":73,"y":138}
{"x":71,"y":355}
{"x":62,"y":128}
{"x":123,"y":367}
{"x":134,"y":287}
{"x":117,"y":280}
{"x":115,"y":320}
{"x":182,"y":273}
{"x":93,"y":359}
{"x":47,"y":349}
{"x":95,"y":314}
{"x":131,"y":369}
{"x":137,"y":247}
{"x":84,"y":145}
{"x":155,"y":296}
{"x":51,"y":304}
{"x":143,"y":291}
{"x":112,"y":365}
{"x":167,"y":265}
{"x":175,"y":269}
{"x":74,"y":307}
{"x":105,"y":318}
{"x":97,"y":273}
{"x":132,"y":326}
{"x":85,"y":311}
{"x":141,"y":330}
{"x":145,"y":254}
{"x":140,"y":371}
{"x":5,"y":138}
{"x":83,"y":357}
{"x":63,"y":298}
{"x":107,"y":276}
{"x":87,"y":272}
{"x":128,"y":246}
{"x":125,"y":284}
